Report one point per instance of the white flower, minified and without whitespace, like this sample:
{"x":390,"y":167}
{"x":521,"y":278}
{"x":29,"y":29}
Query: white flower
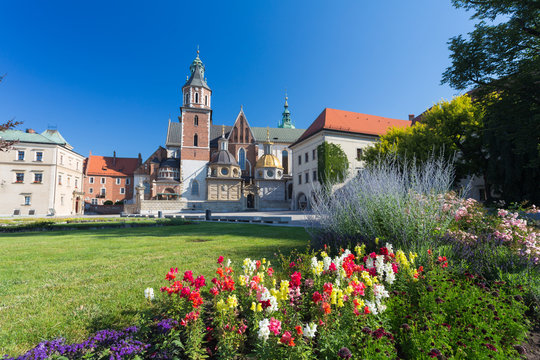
{"x":372,"y":307}
{"x":379,"y":264}
{"x":326,"y":263}
{"x":264,"y":331}
{"x":149,"y":294}
{"x":228,"y":263}
{"x":310,"y":330}
{"x":390,"y":248}
{"x":390,"y":276}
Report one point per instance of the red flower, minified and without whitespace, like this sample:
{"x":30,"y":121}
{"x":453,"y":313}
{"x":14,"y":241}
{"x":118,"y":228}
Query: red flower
{"x":185,"y":292}
{"x":296,"y":279}
{"x":328,"y":288}
{"x":171,"y":275}
{"x":220,"y":260}
{"x":299,"y":330}
{"x":383,"y":251}
{"x":317,"y":297}
{"x":196,"y":299}
{"x":258,"y":263}
{"x":373,"y":255}
{"x":366,"y":310}
{"x":429,"y":251}
{"x":270,"y":271}
{"x":332,"y":267}
{"x":188,"y":277}
{"x":199,"y":282}
{"x":395,"y":268}
{"x":292,"y":264}
{"x":287,"y":339}
{"x":214,"y":291}
{"x":420,"y":269}
{"x":265,"y":304}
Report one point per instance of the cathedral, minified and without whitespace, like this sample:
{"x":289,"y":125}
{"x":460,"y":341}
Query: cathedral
{"x":218,"y":167}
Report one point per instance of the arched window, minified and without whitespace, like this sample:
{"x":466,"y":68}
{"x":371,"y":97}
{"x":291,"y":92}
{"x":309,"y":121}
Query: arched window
{"x":206,"y":100}
{"x":247,"y":136}
{"x":242,"y":158}
{"x":196,"y":98}
{"x":196,"y":121}
{"x":187,"y":99}
{"x":195,"y":140}
{"x":285,"y":161}
{"x":195,"y":188}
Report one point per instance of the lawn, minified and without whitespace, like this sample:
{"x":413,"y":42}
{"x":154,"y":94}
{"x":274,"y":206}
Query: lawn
{"x":71,"y":283}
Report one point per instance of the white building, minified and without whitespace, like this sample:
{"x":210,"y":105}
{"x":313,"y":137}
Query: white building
{"x":40,"y":175}
{"x":352,"y":131}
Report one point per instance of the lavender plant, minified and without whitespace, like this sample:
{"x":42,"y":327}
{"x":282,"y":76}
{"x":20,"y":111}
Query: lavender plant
{"x":395,"y":201}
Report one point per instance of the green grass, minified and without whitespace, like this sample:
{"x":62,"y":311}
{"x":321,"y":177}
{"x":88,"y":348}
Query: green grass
{"x":73,"y":283}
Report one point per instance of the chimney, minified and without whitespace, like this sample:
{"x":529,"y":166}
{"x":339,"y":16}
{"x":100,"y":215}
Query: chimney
{"x":411,"y":117}
{"x":114,"y":158}
{"x":140,"y":159}
{"x":30,"y":131}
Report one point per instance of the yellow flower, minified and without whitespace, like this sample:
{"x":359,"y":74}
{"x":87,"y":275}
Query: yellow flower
{"x":221,"y":306}
{"x":264,"y":260}
{"x":376,"y":241}
{"x":324,"y":254}
{"x":274,"y":282}
{"x":259,"y":307}
{"x":340,"y":303}
{"x":360,"y":250}
{"x":366,"y":278}
{"x":242,"y":280}
{"x":253,"y":306}
{"x":232,"y":301}
{"x":412,"y":257}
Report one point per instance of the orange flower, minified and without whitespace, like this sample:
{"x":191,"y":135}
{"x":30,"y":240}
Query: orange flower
{"x":326,"y":308}
{"x":299,"y":330}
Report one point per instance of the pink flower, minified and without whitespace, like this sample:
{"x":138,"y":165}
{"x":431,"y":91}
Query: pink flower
{"x":296,"y":279}
{"x":188,"y":276}
{"x":275,"y":326}
{"x":220,"y":260}
{"x":199,"y":282}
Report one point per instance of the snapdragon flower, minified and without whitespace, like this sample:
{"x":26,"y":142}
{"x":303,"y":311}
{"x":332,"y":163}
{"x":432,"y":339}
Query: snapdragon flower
{"x":264,"y":330}
{"x":149,"y":294}
{"x":310,"y":330}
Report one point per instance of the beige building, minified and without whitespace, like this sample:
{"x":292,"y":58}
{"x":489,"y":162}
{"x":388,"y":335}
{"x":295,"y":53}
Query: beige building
{"x":352,"y":131}
{"x":40,"y":175}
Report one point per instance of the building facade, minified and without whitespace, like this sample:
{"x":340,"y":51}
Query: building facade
{"x":40,"y":175}
{"x":108,"y":179}
{"x":352,"y":131}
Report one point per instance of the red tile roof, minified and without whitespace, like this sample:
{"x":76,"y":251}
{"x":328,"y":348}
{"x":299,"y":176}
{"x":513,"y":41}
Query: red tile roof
{"x":109,"y":166}
{"x":348,"y":121}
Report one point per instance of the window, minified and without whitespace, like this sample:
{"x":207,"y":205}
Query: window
{"x":122,"y":190}
{"x":299,"y":179}
{"x":358,"y":154}
{"x":314,"y":177}
{"x":62,"y":200}
{"x":61,"y":159}
{"x":91,"y":190}
{"x":39,"y":155}
{"x":77,"y":165}
{"x":195,"y":140}
{"x":19,"y":177}
{"x":103,"y":180}
{"x":195,"y":188}
{"x":69,"y":180}
{"x":94,"y":201}
{"x":103,"y":191}
{"x":186,"y":101}
{"x":91,"y":179}
{"x":307,"y":177}
{"x":118,"y":181}
{"x":27,"y":199}
{"x":314,"y":154}
{"x":128,"y":181}
{"x":196,"y":120}
{"x":38,"y":178}
{"x":76,"y":182}
{"x":206,"y":100}
{"x":59,"y":179}
{"x":242,"y":158}
{"x":306,"y":156}
{"x":20,"y":155}
{"x":196,"y":98}
{"x":285,"y":161}
{"x":299,"y":159}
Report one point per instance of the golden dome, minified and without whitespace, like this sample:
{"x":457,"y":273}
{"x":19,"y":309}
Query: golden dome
{"x":268,"y":160}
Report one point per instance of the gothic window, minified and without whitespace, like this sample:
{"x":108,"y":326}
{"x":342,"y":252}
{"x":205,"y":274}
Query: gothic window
{"x":247,"y":136}
{"x":235,"y":135}
{"x":195,"y":140}
{"x":195,"y":188}
{"x":285,"y":161}
{"x":196,"y":121}
{"x":196,"y":98}
{"x":206,"y":100}
{"x":242,"y":158}
{"x":187,"y":99}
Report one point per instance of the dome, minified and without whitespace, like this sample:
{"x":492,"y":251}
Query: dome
{"x":268,"y":160}
{"x":223,"y":157}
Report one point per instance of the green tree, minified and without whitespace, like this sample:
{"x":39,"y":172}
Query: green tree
{"x":8,"y":125}
{"x":502,"y":56}
{"x":332,"y":163}
{"x":452,"y":129}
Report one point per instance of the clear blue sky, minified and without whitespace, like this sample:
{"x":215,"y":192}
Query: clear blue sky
{"x":109,"y":73}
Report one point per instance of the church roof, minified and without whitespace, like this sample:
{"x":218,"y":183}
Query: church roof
{"x":174,"y":134}
{"x":110,"y":166}
{"x":197,"y":74}
{"x":223,"y":157}
{"x":215,"y":134}
{"x":352,"y":122}
{"x":277,"y":135}
{"x":268,"y":160}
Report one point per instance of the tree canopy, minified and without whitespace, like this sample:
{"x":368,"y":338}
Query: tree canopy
{"x":332,"y":163}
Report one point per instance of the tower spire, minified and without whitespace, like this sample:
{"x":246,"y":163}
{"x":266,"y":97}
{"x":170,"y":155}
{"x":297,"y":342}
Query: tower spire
{"x":286,"y":121}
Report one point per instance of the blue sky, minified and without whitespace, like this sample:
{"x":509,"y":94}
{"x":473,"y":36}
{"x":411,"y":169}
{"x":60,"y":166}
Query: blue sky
{"x":109,"y":73}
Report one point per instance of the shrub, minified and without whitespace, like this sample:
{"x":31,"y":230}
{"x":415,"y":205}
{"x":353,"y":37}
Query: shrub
{"x":396,"y":202}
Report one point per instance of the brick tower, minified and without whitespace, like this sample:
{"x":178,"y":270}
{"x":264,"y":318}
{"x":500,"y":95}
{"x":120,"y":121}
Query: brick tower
{"x":196,"y":122}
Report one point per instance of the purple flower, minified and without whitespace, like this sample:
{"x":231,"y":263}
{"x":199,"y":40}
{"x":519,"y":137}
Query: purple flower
{"x":165,"y":325}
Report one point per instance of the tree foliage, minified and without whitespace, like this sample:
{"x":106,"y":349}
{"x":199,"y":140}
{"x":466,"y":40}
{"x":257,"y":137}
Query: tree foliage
{"x":502,"y":56}
{"x":451,"y":129}
{"x":332,"y":163}
{"x":10,"y":124}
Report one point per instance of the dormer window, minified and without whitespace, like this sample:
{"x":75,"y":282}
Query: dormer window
{"x":196,"y":98}
{"x":196,"y":121}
